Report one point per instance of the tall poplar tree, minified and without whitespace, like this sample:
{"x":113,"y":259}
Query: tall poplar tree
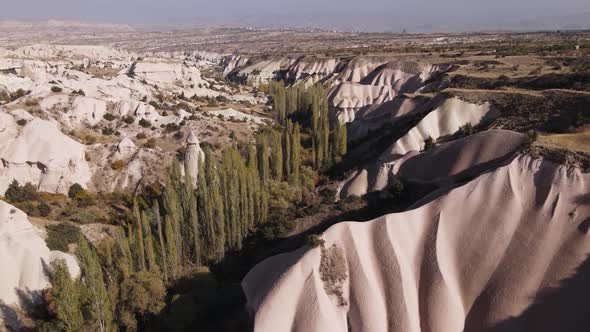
{"x":98,"y":302}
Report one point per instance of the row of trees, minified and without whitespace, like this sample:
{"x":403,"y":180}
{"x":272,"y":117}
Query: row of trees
{"x":310,"y":106}
{"x":167,"y":235}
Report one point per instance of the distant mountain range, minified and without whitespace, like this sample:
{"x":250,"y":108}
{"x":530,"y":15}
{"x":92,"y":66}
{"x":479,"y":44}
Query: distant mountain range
{"x":63,"y":25}
{"x":364,"y":22}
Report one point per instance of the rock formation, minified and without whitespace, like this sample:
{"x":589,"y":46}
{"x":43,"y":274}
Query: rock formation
{"x":193,"y":155}
{"x":446,"y":265}
{"x":25,"y":258}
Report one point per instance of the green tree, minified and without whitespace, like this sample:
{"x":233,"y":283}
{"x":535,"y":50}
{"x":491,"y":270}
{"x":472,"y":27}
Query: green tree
{"x":189,"y":204}
{"x":148,"y":243}
{"x":98,"y":302}
{"x":277,"y":157}
{"x":156,"y":210}
{"x":142,"y":296}
{"x":66,"y":297}
{"x":173,"y":219}
{"x":138,"y":239}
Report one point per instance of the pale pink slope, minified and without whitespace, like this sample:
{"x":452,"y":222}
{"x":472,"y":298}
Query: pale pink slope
{"x":485,"y":249}
{"x":467,"y":156}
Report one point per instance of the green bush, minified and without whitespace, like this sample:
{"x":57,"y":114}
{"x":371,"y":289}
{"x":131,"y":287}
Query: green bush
{"x":21,"y":122}
{"x":109,"y":117}
{"x":315,"y":241}
{"x":428,"y":144}
{"x":396,"y":189}
{"x":466,"y":130}
{"x":107,"y":131}
{"x":84,"y":199}
{"x":128,"y":119}
{"x":74,"y":190}
{"x":17,"y":193}
{"x":277,"y":228}
{"x":18,"y":94}
{"x":56,"y":89}
{"x":59,"y":236}
{"x":44,"y":209}
{"x":145,"y":123}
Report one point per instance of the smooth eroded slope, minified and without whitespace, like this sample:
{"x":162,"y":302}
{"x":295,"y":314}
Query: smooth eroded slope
{"x":466,"y":261}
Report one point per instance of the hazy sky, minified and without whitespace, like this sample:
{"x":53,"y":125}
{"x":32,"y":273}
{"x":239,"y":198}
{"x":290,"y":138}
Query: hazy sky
{"x":360,"y":14}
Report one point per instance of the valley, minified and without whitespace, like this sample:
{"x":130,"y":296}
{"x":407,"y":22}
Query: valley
{"x":293,"y":180}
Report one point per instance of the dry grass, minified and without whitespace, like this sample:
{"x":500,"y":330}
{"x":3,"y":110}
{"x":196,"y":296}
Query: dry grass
{"x":575,"y":141}
{"x":333,"y":271}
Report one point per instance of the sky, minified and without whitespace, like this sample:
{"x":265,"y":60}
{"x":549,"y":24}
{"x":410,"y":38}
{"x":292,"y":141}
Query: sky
{"x":365,"y":15}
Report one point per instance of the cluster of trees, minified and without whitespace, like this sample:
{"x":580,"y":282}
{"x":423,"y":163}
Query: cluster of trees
{"x":310,"y":107}
{"x":169,"y":233}
{"x":183,"y":227}
{"x":108,"y":295}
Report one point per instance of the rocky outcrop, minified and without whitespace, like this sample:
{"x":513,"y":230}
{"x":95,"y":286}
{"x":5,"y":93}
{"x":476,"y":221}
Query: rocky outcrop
{"x":447,"y":117}
{"x":473,"y":259}
{"x":41,"y":154}
{"x":25,"y":259}
{"x":193,"y":155}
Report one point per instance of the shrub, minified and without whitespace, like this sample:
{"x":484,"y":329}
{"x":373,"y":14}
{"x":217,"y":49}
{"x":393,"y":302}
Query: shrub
{"x":333,"y":271}
{"x":428,"y":144}
{"x":128,"y":119}
{"x":108,"y":131}
{"x":180,"y":153}
{"x":74,"y":190}
{"x":466,"y":130}
{"x":145,"y":123}
{"x":178,"y":135}
{"x":17,"y":193}
{"x":61,"y":235}
{"x":79,"y":92}
{"x":141,"y":136}
{"x":532,"y":136}
{"x":18,"y":94}
{"x":56,"y":89}
{"x":315,"y":241}
{"x":44,"y":209}
{"x":108,"y":117}
{"x":395,"y":189}
{"x":154,"y":104}
{"x":277,"y":229}
{"x":84,"y":199}
{"x":170,"y":127}
{"x":21,"y":122}
{"x":118,"y":164}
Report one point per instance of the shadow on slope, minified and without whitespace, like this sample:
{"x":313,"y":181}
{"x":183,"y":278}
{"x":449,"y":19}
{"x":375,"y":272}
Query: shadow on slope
{"x":562,"y":308}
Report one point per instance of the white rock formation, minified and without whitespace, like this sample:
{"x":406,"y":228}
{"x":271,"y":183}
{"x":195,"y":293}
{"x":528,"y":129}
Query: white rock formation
{"x":85,"y":110}
{"x":466,"y":261}
{"x":25,"y":258}
{"x":448,"y":117}
{"x":193,"y":155}
{"x":41,"y":154}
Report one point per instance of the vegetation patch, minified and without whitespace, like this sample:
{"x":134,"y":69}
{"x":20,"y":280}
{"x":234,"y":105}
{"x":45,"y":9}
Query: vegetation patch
{"x":333,"y":272}
{"x":60,"y":236}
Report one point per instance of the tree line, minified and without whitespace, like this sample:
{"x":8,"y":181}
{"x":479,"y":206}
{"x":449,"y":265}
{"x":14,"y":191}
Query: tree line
{"x":164,"y":238}
{"x":168,"y":234}
{"x":310,"y":107}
